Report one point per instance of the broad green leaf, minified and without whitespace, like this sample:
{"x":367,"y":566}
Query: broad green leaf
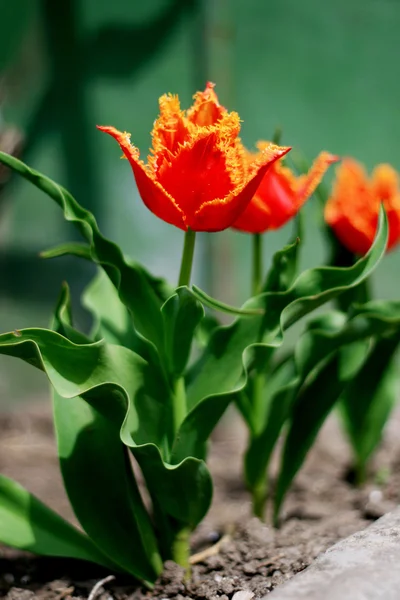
{"x":125,"y":393}
{"x":62,"y":320}
{"x":196,"y":428}
{"x":221,"y":366}
{"x":112,"y":320}
{"x":181,"y":313}
{"x":184,"y":490}
{"x":324,"y":336}
{"x":284,"y":264}
{"x":101,"y":487}
{"x":130,"y":279}
{"x":205,"y":329}
{"x":282,"y":386}
{"x":96,"y":471}
{"x":370,"y":396}
{"x":312,"y":406}
{"x":88,"y":434}
{"x":28,"y":524}
{"x":279,"y":401}
{"x":352,"y":357}
{"x":317,"y":353}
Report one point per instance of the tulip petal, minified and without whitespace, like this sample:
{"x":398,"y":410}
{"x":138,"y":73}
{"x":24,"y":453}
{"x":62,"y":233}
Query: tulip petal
{"x":170,"y":130}
{"x":206,"y":109}
{"x":198,"y":174}
{"x":306,"y":184}
{"x":280,"y":194}
{"x":385,"y":186}
{"x":352,"y":210}
{"x":152,"y":193}
{"x":231,"y":207}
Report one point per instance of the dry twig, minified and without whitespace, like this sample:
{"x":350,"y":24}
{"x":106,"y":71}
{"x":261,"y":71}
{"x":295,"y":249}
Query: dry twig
{"x":211,"y":551}
{"x":96,"y":589}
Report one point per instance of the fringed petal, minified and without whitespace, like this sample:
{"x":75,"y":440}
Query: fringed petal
{"x":197,"y":175}
{"x":155,"y":197}
{"x":206,"y":109}
{"x":170,"y":131}
{"x":352,"y":210}
{"x":227,"y":210}
{"x":385,"y":183}
{"x":306,"y":184}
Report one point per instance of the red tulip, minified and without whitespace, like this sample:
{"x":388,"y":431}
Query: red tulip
{"x":281,"y":194}
{"x":353,"y":208}
{"x":197,"y":175}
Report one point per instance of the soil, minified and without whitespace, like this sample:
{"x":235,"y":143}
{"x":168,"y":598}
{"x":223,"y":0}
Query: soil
{"x":252,"y":558}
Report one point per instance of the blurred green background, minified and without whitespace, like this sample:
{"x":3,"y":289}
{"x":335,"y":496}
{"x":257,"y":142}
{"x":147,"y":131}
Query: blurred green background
{"x":327,"y":73}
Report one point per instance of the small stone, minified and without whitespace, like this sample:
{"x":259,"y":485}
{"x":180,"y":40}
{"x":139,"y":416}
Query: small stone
{"x":375,"y":510}
{"x":19,"y":594}
{"x":243,"y":595}
{"x":251,"y":567}
{"x":375,"y":496}
{"x":213,"y":537}
{"x":227,"y":585}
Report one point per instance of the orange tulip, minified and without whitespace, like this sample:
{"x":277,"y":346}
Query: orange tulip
{"x":197,"y":175}
{"x":281,"y":194}
{"x":353,"y":208}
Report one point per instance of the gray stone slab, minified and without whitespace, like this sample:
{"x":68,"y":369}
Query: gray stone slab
{"x":364,"y":566}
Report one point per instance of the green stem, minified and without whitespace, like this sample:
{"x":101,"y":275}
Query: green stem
{"x":276,"y":138}
{"x":360,"y":473}
{"x":257,"y":401}
{"x":257,"y":263}
{"x":179,"y":403}
{"x":259,"y":498}
{"x":181,"y":549}
{"x":187,"y":257}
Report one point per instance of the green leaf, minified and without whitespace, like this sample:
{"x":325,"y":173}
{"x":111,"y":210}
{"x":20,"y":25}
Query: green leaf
{"x":132,"y":282}
{"x":92,"y":456}
{"x":28,"y":524}
{"x":125,"y":394}
{"x":370,"y":396}
{"x":62,"y":321}
{"x":184,"y":490}
{"x":101,"y":487}
{"x":96,"y":471}
{"x":324,"y":336}
{"x":196,"y":428}
{"x":205,"y":329}
{"x":284,"y":264}
{"x":282,"y":387}
{"x":221,"y":366}
{"x":321,"y":378}
{"x":315,"y":401}
{"x":281,"y":392}
{"x":181,"y":313}
{"x":112,"y":320}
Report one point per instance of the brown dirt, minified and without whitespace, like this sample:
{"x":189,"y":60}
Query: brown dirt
{"x":321,"y":509}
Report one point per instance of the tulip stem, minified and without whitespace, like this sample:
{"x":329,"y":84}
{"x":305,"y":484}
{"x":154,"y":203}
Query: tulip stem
{"x":181,"y":550}
{"x":257,"y":263}
{"x":179,"y":403}
{"x":187,"y":257}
